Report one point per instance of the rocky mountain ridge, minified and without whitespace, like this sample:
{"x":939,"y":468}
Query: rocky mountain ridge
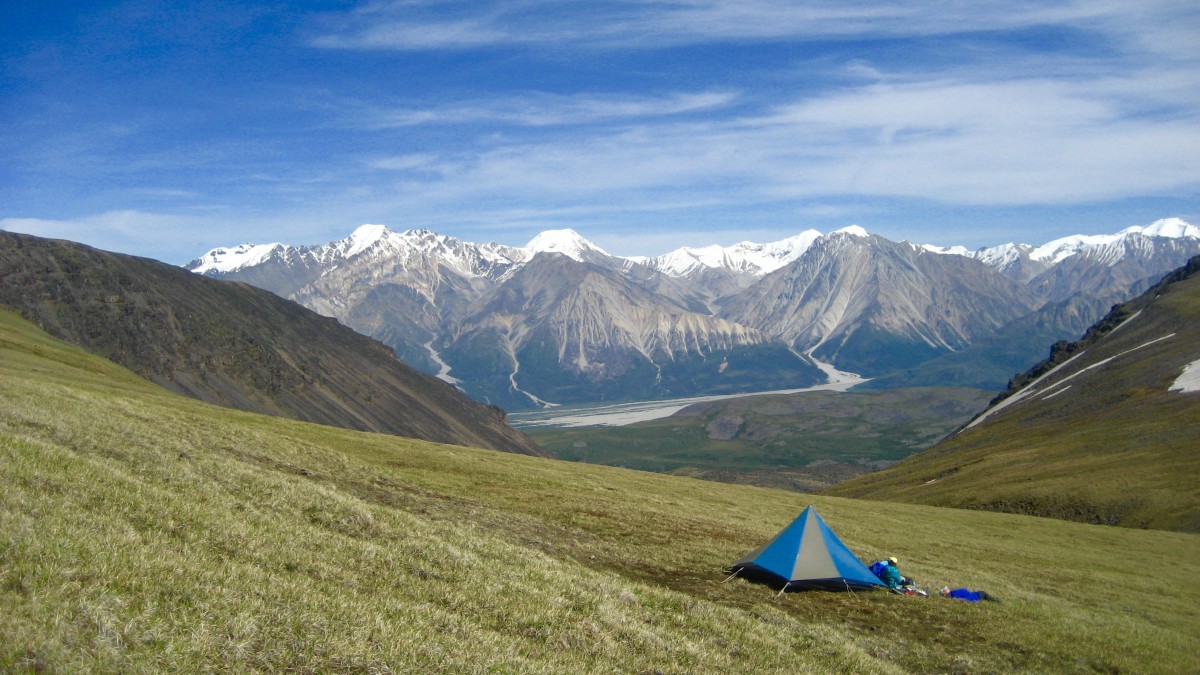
{"x":856,"y":300}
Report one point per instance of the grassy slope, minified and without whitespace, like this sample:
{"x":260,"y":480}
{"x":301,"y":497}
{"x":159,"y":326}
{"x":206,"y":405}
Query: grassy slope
{"x":142,"y":531}
{"x":774,"y":440}
{"x":1115,"y":447}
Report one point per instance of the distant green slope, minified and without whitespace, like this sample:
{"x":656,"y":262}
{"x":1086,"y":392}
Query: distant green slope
{"x":803,"y":441}
{"x":990,"y":362}
{"x":1098,"y":438}
{"x":141,"y":531}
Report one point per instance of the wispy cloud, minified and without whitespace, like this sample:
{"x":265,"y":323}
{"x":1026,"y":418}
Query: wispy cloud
{"x":1012,"y":142}
{"x":537,"y":109}
{"x":112,"y":230}
{"x":459,"y":24}
{"x":1008,"y":128}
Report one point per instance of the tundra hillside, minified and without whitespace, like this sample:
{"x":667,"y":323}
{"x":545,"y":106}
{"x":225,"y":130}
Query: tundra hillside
{"x":142,"y":531}
{"x":1102,"y":431}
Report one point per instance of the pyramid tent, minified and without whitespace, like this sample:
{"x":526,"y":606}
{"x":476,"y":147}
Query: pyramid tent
{"x":807,"y":555}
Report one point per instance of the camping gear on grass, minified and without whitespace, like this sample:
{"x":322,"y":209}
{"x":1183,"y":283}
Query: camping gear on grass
{"x":966,"y":594}
{"x":806,"y":555}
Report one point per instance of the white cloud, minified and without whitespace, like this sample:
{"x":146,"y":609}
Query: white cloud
{"x":541,"y":109}
{"x":421,"y":161}
{"x":155,"y":235}
{"x":403,"y":25}
{"x":1057,"y":128}
{"x":996,"y":143}
{"x":416,"y":36}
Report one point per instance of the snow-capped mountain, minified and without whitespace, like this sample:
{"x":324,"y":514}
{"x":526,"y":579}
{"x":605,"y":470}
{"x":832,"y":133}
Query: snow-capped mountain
{"x":567,"y":242}
{"x":1026,"y":261}
{"x":745,"y":257}
{"x":224,"y":260}
{"x":1110,"y":248}
{"x":859,"y":300}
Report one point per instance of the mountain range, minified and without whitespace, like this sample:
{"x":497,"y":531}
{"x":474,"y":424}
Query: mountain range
{"x":1103,"y":430}
{"x":562,"y":321}
{"x":234,"y":345}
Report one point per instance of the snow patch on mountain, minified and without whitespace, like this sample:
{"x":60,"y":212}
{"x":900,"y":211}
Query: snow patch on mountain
{"x":1023,"y":393}
{"x":1001,"y":256}
{"x":1108,"y":249}
{"x":221,"y":260}
{"x":1189,"y":380}
{"x":945,"y":250}
{"x":1059,"y":250}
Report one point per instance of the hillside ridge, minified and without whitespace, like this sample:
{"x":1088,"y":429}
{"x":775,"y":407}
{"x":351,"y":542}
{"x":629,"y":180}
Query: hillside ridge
{"x":1097,"y":432}
{"x":234,"y":345}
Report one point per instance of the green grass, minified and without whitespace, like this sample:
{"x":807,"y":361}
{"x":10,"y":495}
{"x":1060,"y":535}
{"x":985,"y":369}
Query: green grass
{"x":144,"y":532}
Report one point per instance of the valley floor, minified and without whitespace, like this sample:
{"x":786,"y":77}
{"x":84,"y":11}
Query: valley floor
{"x":622,"y":414}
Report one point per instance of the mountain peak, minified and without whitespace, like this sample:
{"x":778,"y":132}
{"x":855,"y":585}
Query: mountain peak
{"x":568,"y":242}
{"x":852,"y":230}
{"x":1173,"y":228}
{"x":364,"y":237}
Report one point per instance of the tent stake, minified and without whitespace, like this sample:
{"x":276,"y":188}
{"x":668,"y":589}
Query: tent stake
{"x":783,"y":590}
{"x":735,"y":573}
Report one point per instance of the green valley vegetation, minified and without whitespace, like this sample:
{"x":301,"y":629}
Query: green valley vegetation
{"x":803,"y":441}
{"x":141,"y":531}
{"x":1094,"y":433}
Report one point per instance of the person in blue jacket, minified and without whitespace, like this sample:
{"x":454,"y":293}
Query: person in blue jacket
{"x":888,"y":572}
{"x":967,"y":594}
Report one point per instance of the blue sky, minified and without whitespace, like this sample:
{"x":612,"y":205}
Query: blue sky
{"x":166,"y":128}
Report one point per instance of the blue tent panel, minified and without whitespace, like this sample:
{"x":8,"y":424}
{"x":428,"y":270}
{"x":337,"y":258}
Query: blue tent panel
{"x":807,"y":554}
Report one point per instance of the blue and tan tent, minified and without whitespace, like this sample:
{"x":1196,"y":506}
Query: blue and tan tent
{"x":806,"y":555}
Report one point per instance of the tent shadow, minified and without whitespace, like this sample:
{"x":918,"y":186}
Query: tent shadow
{"x":781,"y":585}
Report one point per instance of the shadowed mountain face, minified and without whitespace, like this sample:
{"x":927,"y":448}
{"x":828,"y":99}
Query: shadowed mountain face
{"x":234,"y":345}
{"x":1103,"y":431}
